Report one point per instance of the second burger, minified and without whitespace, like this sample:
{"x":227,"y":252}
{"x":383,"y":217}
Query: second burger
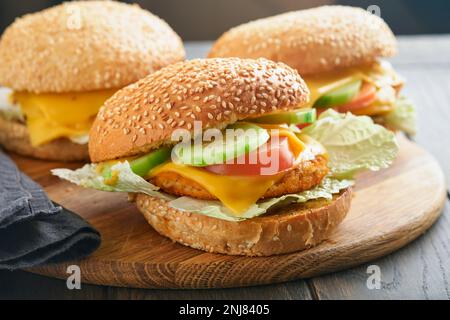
{"x":58,"y":67}
{"x":340,"y":53}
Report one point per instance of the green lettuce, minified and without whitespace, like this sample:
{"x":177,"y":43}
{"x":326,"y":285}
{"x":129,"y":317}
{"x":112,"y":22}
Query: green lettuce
{"x":127,"y":181}
{"x":354,"y":143}
{"x":403,"y":117}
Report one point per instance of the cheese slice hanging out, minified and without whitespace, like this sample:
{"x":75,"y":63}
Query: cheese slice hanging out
{"x":53,"y":116}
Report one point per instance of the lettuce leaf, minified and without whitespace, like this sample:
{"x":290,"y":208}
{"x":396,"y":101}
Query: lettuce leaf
{"x":127,"y":181}
{"x":354,"y":143}
{"x":403,"y":117}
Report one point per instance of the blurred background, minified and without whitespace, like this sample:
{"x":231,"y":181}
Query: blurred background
{"x":208,"y":19}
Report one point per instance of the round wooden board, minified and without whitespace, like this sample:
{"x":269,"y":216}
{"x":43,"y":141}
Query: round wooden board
{"x":390,"y":209}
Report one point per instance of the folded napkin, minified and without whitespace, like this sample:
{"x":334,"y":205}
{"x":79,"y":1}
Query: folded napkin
{"x":35,"y":231}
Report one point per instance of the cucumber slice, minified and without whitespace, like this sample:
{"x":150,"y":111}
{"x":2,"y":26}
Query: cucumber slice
{"x":235,"y":141}
{"x":339,"y":96}
{"x":142,"y":166}
{"x":294,"y":117}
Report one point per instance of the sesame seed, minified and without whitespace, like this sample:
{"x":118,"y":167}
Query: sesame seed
{"x":246,"y":87}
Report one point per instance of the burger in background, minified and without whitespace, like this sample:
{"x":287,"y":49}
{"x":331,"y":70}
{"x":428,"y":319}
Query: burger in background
{"x":339,"y":52}
{"x":58,"y":67}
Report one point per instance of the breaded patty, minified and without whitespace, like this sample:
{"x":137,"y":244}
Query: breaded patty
{"x":306,"y":175}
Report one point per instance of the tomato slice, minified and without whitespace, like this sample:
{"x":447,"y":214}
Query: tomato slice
{"x":273,"y":157}
{"x":366,"y":97}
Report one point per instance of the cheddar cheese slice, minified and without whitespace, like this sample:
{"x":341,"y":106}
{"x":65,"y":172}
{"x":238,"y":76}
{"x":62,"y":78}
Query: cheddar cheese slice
{"x":53,"y":116}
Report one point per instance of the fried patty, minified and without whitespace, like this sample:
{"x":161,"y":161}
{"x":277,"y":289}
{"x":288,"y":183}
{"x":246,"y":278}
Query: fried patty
{"x":305,"y":176}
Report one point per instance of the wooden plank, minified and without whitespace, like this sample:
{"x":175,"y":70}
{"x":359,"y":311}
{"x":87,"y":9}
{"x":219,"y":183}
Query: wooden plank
{"x":419,"y":271}
{"x":297,"y":290}
{"x":23,"y":285}
{"x":423,"y":50}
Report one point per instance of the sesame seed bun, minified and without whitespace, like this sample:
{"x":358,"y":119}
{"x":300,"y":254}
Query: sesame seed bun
{"x":85,"y":46}
{"x":14,"y":137}
{"x":289,"y":229}
{"x":312,"y":41}
{"x":217,"y":92}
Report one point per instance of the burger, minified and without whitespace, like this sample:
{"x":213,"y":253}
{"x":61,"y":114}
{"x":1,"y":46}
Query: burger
{"x":58,"y":67}
{"x":211,"y":152}
{"x":339,"y":52}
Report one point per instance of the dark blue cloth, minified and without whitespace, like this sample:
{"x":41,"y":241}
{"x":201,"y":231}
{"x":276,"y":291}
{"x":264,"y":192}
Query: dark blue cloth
{"x":35,"y":231}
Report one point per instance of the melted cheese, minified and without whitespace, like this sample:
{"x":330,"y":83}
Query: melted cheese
{"x":235,"y":192}
{"x":379,"y":74}
{"x":53,"y":116}
{"x":238,"y":193}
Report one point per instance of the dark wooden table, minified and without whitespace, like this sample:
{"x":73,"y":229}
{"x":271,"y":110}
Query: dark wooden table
{"x":421,"y":270}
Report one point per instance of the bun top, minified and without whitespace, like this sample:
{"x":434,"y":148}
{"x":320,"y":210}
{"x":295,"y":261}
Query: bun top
{"x":85,"y":46}
{"x":216,"y":92}
{"x":312,"y":41}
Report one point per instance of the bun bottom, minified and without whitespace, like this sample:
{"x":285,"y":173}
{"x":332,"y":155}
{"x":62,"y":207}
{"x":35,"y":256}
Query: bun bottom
{"x":14,"y":137}
{"x":289,"y":229}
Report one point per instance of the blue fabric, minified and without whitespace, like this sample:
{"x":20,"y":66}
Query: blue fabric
{"x":33,"y":230}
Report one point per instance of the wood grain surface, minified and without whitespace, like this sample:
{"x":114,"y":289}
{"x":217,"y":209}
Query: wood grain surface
{"x":390,"y":208}
{"x":420,"y":270}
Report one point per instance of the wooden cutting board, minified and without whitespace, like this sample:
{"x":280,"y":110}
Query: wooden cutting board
{"x":390,"y":209}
